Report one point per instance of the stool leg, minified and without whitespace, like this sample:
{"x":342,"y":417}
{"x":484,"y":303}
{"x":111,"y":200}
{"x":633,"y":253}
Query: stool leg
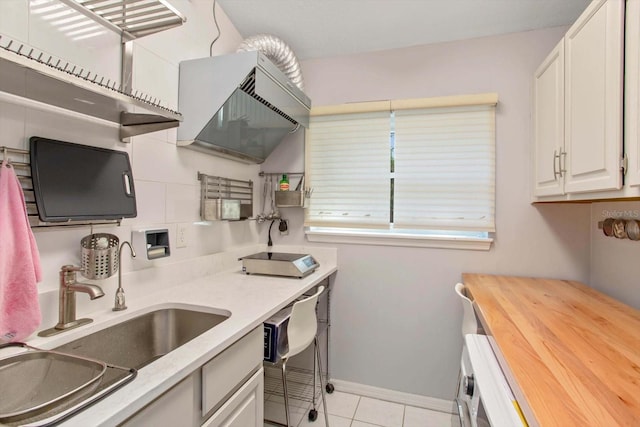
{"x":286,"y":393}
{"x":313,"y":395}
{"x":324,"y":397}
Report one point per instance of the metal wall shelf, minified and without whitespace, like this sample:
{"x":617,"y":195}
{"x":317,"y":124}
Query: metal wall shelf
{"x":294,"y":198}
{"x":34,"y":75}
{"x":130,"y":18}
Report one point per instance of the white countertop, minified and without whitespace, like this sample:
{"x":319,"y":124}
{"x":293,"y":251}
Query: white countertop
{"x":251,"y":299}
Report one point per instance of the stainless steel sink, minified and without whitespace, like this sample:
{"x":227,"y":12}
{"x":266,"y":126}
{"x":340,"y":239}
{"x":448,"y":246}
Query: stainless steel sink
{"x":37,"y":381}
{"x":139,"y":341}
{"x":44,"y":387}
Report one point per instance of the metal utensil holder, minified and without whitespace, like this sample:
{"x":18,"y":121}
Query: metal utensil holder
{"x":99,"y":255}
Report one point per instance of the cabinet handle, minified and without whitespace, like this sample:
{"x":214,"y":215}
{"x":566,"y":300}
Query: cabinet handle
{"x":562,"y":162}
{"x":555,"y":170}
{"x":559,"y":171}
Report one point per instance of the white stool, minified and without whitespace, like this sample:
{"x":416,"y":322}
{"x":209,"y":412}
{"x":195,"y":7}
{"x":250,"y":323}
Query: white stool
{"x":301,"y":332}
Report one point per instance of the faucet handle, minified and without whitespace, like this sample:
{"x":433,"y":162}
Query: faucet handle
{"x":68,"y":274}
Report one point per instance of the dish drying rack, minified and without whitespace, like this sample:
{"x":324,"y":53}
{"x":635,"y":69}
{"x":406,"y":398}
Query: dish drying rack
{"x":225,"y":198}
{"x":31,"y":74}
{"x":131,"y":18}
{"x":19,"y":159}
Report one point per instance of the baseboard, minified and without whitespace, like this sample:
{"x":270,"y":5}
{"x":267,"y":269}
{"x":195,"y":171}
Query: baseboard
{"x":420,"y":401}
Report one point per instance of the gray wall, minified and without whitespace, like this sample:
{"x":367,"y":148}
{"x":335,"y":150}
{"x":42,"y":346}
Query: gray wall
{"x":614,"y":262}
{"x":396,"y":319}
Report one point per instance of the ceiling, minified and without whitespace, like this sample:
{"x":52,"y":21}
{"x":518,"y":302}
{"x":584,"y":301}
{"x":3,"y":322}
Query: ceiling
{"x":321,"y":28}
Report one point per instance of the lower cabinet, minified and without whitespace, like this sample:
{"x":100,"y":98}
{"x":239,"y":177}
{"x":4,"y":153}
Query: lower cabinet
{"x":245,"y":408}
{"x":225,"y":391}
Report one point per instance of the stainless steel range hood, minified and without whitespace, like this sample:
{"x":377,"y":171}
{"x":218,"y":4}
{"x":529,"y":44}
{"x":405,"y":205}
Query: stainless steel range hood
{"x":239,"y":106}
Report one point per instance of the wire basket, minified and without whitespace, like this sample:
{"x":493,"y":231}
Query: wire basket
{"x":99,"y":255}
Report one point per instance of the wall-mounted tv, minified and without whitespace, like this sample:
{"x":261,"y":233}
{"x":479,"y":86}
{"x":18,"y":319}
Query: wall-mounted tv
{"x":80,"y":182}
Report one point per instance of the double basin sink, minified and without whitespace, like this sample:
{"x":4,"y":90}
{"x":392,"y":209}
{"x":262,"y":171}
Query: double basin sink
{"x":48,"y":386}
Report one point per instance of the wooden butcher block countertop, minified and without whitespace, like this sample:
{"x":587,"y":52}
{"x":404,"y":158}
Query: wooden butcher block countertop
{"x":572,"y":354}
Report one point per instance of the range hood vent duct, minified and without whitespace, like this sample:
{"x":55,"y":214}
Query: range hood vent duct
{"x":278,"y":52}
{"x":239,"y":106}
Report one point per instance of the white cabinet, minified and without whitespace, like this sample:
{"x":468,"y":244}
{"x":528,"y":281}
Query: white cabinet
{"x":244,"y":408}
{"x":578,"y":97}
{"x":632,"y":92}
{"x":228,"y":390}
{"x":548,"y":127}
{"x":177,"y":407}
{"x":227,"y":371}
{"x":593,"y":98}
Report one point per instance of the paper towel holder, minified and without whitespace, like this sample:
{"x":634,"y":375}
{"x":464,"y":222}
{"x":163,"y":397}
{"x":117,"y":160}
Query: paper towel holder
{"x":153,"y":244}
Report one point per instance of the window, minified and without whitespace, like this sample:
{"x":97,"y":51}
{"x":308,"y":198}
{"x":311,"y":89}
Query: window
{"x":408,"y":172}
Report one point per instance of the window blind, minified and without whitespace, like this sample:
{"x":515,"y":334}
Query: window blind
{"x":443,"y":156}
{"x":445,"y":168}
{"x":348,"y":168}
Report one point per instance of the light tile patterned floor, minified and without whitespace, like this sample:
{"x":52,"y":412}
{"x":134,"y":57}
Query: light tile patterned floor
{"x":350,"y":410}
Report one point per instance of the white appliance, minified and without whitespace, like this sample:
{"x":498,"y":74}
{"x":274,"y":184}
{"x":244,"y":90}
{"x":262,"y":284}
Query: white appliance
{"x":484,"y":397}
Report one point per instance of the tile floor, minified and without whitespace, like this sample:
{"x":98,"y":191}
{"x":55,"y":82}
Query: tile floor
{"x":350,"y":410}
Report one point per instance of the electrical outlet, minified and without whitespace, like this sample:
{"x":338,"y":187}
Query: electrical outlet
{"x":284,"y":227}
{"x":181,"y":235}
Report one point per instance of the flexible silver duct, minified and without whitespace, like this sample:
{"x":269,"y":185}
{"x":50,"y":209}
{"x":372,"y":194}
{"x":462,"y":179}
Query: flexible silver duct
{"x":277,"y":51}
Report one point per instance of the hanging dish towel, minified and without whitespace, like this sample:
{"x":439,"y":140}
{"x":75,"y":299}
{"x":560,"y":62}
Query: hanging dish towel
{"x":19,"y":262}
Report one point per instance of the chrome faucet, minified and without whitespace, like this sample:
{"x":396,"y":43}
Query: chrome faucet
{"x":120,"y":303}
{"x":67,"y":301}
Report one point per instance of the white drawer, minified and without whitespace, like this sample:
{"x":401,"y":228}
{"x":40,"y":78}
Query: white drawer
{"x":225,"y":373}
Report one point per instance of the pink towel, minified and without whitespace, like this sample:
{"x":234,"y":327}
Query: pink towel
{"x":19,"y":262}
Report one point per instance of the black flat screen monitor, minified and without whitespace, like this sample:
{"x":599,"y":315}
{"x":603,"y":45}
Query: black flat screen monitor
{"x":80,"y":182}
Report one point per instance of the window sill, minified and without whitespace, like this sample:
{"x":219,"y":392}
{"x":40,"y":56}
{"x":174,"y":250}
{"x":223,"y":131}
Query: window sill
{"x":419,"y":241}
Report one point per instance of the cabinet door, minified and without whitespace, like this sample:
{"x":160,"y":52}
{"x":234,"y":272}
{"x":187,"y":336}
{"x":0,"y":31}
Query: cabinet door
{"x":593,"y":98}
{"x":548,"y":117}
{"x":632,"y":91}
{"x":177,"y":407}
{"x":245,"y":408}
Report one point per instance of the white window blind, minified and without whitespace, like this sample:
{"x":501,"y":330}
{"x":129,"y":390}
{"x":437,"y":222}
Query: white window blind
{"x":443,"y":156}
{"x":348,"y":164}
{"x":445,"y":168}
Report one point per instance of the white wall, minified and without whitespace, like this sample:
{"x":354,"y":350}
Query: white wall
{"x":396,"y":320}
{"x":165,"y":176}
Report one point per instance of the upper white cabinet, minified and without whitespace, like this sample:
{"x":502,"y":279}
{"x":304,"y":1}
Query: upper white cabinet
{"x":593,"y":98}
{"x":632,"y":92}
{"x":578,"y":96}
{"x":548,"y":128}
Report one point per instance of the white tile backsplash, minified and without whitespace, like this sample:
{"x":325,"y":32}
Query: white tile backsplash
{"x":12,"y":125}
{"x":154,"y":160}
{"x":183,"y":203}
{"x":155,"y":76}
{"x":73,"y":127}
{"x":151,"y":202}
{"x":14,"y":19}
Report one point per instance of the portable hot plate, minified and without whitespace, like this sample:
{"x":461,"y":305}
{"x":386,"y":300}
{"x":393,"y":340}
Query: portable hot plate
{"x":279,"y":264}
